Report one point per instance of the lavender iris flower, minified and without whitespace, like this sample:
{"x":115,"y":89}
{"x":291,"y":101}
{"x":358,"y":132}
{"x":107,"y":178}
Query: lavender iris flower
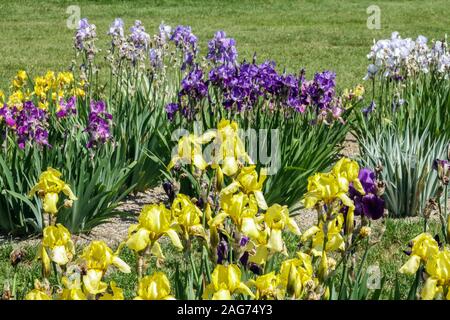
{"x":187,"y":42}
{"x":84,"y":33}
{"x":116,"y":28}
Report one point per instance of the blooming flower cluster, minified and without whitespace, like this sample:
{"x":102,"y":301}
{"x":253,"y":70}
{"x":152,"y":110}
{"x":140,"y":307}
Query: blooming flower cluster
{"x":85,"y":36}
{"x":49,"y":187}
{"x":397,"y":57}
{"x":426,"y":251}
{"x":222,"y":50}
{"x":239,"y":233}
{"x":370,"y":204}
{"x":67,"y":108}
{"x":184,"y":39}
{"x":28,"y":123}
{"x":98,"y":126}
{"x":247,"y":85}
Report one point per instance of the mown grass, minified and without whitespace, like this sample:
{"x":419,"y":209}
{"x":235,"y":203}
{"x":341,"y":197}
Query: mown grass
{"x":315,"y":34}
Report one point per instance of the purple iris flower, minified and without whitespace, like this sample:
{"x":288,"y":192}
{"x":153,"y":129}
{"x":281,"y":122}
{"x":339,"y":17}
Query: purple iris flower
{"x":171,"y":110}
{"x":184,"y":39}
{"x":67,"y":108}
{"x":98,"y":126}
{"x":222,"y":50}
{"x":222,"y":251}
{"x":372,"y":206}
{"x":369,"y":205}
{"x":193,"y":85}
{"x":370,"y":108}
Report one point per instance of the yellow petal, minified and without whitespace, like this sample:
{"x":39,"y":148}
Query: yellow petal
{"x":139,"y":240}
{"x":230,"y":166}
{"x":222,"y":294}
{"x":92,"y":282}
{"x":174,"y":238}
{"x":121,"y":265}
{"x":59,"y":255}
{"x":275,"y":240}
{"x":157,"y":251}
{"x":50,"y":203}
{"x":249,"y":228}
{"x":260,"y":200}
{"x":429,"y":289}
{"x":411,"y":266}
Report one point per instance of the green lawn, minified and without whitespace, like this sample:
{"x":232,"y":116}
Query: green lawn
{"x":314,"y":34}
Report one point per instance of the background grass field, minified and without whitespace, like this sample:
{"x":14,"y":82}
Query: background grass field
{"x":315,"y":34}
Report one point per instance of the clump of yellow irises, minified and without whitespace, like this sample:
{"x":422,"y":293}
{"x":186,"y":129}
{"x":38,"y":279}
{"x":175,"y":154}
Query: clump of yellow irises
{"x":237,"y":234}
{"x":48,"y":88}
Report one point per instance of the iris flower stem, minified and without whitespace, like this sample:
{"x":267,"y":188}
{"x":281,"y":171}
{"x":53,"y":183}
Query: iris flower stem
{"x":441,"y":218}
{"x":446,"y":213}
{"x":56,"y":273}
{"x":194,"y":269}
{"x":344,"y":274}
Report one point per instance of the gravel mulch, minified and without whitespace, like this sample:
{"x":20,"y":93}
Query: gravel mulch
{"x":116,"y":229}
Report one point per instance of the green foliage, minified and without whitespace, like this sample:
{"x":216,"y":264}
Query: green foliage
{"x":407,"y":159}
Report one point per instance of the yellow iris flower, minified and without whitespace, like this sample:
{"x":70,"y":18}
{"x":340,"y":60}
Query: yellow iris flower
{"x":438,"y":270}
{"x":267,"y":286}
{"x":248,"y":182}
{"x":16,"y":99}
{"x":154,"y":287}
{"x":155,"y":221}
{"x":226,"y":281}
{"x":98,"y":256}
{"x":20,"y":79}
{"x":117,"y":293}
{"x":335,"y":241}
{"x":48,"y":188}
{"x":190,"y":150}
{"x":295,"y":273}
{"x":334,"y":185}
{"x":277,"y":219}
{"x":229,"y":150}
{"x":36,"y":294}
{"x":188,"y":217}
{"x":423,"y":247}
{"x":72,"y":290}
{"x":57,"y":246}
{"x":2,"y":97}
{"x":242,"y":210}
{"x":40,"y":292}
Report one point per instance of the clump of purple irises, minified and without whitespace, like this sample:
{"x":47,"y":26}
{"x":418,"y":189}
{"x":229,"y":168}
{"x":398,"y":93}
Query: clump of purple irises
{"x":29,"y":124}
{"x":242,"y":86}
{"x":99,"y":122}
